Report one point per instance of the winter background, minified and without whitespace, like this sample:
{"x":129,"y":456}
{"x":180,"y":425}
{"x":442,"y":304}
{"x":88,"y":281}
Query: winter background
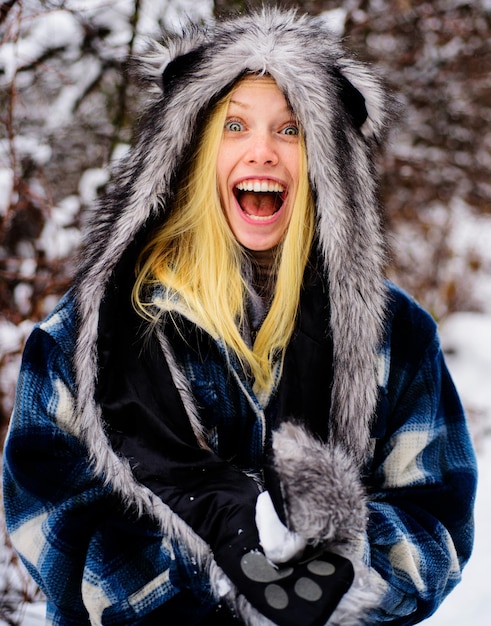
{"x":67,"y":104}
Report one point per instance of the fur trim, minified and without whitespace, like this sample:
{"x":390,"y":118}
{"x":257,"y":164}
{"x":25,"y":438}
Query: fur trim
{"x":183,"y":387}
{"x":324,"y":497}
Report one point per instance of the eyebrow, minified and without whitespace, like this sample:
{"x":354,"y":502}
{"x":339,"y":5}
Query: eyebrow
{"x":240,"y":104}
{"x":244,"y":105}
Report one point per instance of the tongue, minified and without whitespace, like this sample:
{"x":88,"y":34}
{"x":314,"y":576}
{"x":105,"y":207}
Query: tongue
{"x":259,"y":204}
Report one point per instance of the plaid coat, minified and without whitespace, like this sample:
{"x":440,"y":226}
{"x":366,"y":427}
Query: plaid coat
{"x":69,"y":524}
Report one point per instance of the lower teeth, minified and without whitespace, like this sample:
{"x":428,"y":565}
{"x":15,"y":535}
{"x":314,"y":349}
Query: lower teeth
{"x":259,"y":218}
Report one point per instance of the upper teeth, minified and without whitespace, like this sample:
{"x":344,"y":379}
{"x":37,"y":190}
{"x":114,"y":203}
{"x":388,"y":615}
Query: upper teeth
{"x":260,"y":186}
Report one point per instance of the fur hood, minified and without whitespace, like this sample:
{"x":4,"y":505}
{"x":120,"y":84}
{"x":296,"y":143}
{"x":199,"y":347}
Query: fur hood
{"x":343,"y":111}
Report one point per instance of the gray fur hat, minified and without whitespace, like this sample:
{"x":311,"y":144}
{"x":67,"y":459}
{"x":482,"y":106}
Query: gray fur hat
{"x":343,"y":110}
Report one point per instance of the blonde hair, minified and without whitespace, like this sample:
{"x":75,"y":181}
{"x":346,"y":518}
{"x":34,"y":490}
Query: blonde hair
{"x":197,"y":259}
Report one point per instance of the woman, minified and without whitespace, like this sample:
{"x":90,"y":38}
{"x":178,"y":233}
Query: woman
{"x":233,"y":417}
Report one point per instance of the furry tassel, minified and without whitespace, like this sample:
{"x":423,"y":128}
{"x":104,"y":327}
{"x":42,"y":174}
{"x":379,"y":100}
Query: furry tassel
{"x":323,"y":493}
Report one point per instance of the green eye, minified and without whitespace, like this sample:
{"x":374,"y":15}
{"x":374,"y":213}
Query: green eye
{"x":233,"y":126}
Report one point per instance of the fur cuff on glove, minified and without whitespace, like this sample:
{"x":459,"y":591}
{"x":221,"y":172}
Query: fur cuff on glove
{"x":353,"y":610}
{"x":324,"y":498}
{"x":325,"y":503}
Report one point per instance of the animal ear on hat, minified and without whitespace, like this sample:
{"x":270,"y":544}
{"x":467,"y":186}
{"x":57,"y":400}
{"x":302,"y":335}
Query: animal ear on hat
{"x":181,"y":67}
{"x":161,"y":64}
{"x":353,"y":101}
{"x":365,"y":99}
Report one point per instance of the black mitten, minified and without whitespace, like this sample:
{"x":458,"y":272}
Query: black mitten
{"x":306,"y":592}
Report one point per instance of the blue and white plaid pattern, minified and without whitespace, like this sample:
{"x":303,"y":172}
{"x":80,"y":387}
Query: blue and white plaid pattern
{"x":69,"y":526}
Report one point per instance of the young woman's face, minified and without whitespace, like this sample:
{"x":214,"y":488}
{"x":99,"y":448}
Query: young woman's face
{"x":258,"y":164}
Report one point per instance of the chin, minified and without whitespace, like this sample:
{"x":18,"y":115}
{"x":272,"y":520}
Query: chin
{"x":259,"y":243}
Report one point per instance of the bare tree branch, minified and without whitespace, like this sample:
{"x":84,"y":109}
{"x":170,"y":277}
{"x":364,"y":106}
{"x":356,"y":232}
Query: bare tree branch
{"x":123,"y":87}
{"x":5,"y":9}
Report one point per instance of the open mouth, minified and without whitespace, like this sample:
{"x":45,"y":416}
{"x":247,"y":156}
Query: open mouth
{"x":260,"y":200}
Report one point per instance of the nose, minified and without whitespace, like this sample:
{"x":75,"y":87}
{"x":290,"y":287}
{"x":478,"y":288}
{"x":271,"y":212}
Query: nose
{"x":261,"y":150}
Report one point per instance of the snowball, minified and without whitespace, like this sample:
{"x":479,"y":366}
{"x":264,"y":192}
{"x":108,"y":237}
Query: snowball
{"x":280,"y":545}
